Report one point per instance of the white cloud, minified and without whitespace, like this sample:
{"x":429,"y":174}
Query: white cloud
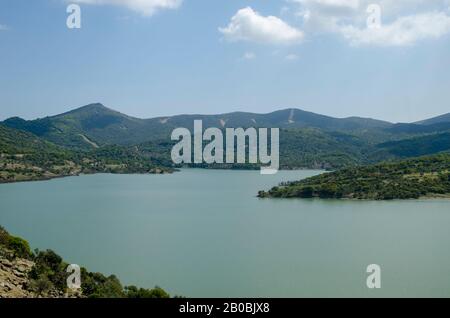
{"x":403,"y":22}
{"x":145,"y":7}
{"x":249,"y":56}
{"x":389,"y":7}
{"x":322,"y":13}
{"x":249,"y":25}
{"x":330,"y":5}
{"x":404,"y":7}
{"x":3,"y":27}
{"x":403,"y":31}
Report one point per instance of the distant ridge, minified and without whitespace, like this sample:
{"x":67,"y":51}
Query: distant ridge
{"x":307,"y":139}
{"x":435,"y":120}
{"x":103,"y":125}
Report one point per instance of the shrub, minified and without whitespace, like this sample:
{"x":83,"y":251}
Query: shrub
{"x":50,"y":265}
{"x":41,"y":285}
{"x":134,"y":292}
{"x":20,"y":247}
{"x":96,"y":285}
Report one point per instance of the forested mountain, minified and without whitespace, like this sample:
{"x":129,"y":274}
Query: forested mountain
{"x":95,"y":125}
{"x":412,"y":129}
{"x":13,"y":141}
{"x":307,"y":140}
{"x":87,"y":127}
{"x":435,"y":120}
{"x":418,"y":146}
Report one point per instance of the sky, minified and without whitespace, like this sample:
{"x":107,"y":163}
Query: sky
{"x":385,"y":59}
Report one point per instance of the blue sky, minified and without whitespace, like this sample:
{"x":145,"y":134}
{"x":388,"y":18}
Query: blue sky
{"x":150,"y":58}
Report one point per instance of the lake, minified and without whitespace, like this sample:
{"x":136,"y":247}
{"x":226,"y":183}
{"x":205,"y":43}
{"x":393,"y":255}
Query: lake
{"x":204,"y":233}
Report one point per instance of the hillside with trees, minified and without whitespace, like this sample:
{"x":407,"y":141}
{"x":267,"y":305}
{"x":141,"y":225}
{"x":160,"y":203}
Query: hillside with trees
{"x":30,"y":274}
{"x":94,"y":138}
{"x":26,"y":157}
{"x":408,"y":179}
{"x":418,"y":146}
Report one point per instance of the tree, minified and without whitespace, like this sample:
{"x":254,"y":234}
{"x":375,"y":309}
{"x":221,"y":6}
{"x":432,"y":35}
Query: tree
{"x":20,"y":247}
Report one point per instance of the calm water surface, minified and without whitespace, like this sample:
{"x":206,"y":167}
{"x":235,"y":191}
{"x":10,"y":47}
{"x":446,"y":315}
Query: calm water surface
{"x":203,"y":233}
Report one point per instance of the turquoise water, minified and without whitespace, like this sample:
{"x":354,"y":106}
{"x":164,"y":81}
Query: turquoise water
{"x":203,"y":233}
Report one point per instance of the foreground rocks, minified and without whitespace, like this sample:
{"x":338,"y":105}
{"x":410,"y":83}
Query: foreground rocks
{"x":15,"y":283}
{"x":14,"y":277}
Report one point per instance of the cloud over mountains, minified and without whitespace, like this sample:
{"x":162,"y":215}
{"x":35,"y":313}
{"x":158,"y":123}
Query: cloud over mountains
{"x":249,"y":25}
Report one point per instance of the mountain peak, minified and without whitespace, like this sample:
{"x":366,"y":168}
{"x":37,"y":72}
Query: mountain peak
{"x":14,"y":119}
{"x":96,"y":105}
{"x":89,"y":110}
{"x":93,"y":106}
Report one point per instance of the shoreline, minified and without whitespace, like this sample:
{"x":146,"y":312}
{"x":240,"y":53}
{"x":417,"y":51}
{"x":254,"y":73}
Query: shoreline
{"x":81,"y":174}
{"x":422,"y":198}
{"x":432,"y":197}
{"x":163,"y":172}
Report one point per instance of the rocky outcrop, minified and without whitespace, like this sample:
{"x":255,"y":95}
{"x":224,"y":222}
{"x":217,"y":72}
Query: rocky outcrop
{"x":14,"y":277}
{"x":15,"y":281}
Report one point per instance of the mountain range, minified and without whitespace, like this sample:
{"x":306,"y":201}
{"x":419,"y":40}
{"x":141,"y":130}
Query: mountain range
{"x":307,"y":140}
{"x":94,"y":125}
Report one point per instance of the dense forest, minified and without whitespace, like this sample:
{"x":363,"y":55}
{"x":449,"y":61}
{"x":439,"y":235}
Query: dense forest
{"x":408,"y":179}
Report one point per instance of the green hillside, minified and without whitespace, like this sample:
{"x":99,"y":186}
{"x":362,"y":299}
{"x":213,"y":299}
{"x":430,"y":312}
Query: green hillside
{"x":439,"y":119}
{"x":411,"y":129}
{"x":315,"y":148}
{"x":47,"y":275}
{"x":409,"y":179}
{"x":25,"y":157}
{"x":307,"y":140}
{"x":96,"y":124}
{"x":85,"y":128}
{"x":418,"y":146}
